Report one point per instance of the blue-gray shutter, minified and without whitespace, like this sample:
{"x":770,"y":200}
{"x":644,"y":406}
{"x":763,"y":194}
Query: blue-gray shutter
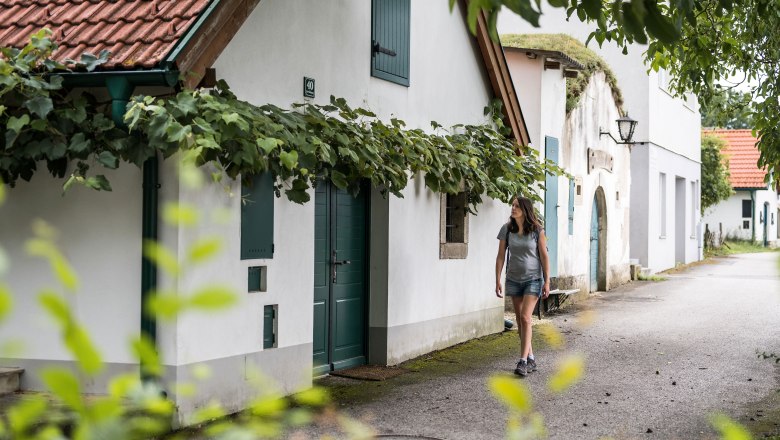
{"x":390,"y":30}
{"x":571,"y":206}
{"x":257,"y":218}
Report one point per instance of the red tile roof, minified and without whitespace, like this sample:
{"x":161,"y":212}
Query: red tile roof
{"x":743,"y":158}
{"x":138,"y":33}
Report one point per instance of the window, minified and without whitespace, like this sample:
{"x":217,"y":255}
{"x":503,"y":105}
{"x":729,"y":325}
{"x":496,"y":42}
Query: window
{"x":257,"y":217}
{"x":257,"y":279}
{"x":746,"y":224}
{"x":454,"y":226}
{"x":662,"y":203}
{"x":747,"y":208}
{"x":390,"y":40}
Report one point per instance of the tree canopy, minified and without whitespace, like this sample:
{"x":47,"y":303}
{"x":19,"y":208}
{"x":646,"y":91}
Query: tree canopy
{"x":703,"y":44}
{"x":715,"y":185}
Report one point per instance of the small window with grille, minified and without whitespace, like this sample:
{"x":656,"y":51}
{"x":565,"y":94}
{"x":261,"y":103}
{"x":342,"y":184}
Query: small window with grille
{"x":454,"y":225}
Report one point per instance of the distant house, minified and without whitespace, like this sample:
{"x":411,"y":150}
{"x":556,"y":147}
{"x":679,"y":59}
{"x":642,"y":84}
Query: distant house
{"x":567,"y":99}
{"x":752,"y":212}
{"x":665,"y":158}
{"x":412,"y":286}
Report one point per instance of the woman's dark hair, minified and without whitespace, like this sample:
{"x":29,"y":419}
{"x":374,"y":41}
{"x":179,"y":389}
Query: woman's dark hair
{"x":530,"y":222}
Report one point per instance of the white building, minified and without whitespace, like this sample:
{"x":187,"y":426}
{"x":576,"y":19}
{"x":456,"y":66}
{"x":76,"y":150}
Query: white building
{"x":752,"y":212}
{"x":411,"y":288}
{"x":586,"y":217}
{"x":665,"y":160}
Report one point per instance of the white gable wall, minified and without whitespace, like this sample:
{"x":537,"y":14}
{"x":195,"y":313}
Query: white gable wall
{"x":438,"y":302}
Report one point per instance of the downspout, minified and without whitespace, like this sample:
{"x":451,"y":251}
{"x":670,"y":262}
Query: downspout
{"x":120,"y":89}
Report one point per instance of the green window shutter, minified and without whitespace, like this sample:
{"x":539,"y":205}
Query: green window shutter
{"x":571,"y":206}
{"x":269,"y":318}
{"x":390,"y":33}
{"x":257,"y":218}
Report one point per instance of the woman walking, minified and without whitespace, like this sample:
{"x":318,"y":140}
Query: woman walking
{"x":527,"y":271}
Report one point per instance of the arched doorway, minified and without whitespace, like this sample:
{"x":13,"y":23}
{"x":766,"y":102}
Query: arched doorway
{"x":598,"y":242}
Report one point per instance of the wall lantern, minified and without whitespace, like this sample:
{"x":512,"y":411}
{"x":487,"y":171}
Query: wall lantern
{"x":626,"y":127}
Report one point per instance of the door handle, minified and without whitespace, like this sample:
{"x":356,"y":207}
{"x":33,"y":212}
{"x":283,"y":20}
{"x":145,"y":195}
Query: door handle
{"x":334,"y":264}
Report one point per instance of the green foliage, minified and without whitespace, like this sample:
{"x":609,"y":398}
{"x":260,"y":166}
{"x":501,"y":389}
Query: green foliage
{"x":728,"y":108}
{"x":573,"y":48}
{"x":336,"y":142}
{"x":42,"y":122}
{"x":715,"y":184}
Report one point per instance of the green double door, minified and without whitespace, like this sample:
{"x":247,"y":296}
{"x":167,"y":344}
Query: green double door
{"x":340,"y":257}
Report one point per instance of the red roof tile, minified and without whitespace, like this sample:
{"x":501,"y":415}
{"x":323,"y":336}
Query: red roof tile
{"x":743,"y":157}
{"x":139,"y":33}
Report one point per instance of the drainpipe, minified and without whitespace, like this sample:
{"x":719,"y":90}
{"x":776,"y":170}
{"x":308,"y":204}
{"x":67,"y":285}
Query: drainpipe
{"x":120,"y":89}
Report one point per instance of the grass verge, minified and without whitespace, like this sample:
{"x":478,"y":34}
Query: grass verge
{"x":737,"y":247}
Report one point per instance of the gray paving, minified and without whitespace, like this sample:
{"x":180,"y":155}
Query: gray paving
{"x":700,"y":330}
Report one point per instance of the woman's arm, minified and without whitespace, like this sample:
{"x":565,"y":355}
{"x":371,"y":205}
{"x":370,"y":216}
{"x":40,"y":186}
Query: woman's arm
{"x":500,"y":266}
{"x":544,"y":259}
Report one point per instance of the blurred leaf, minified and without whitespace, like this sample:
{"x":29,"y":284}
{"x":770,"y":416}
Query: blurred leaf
{"x":74,"y":336}
{"x":166,"y":305}
{"x":204,"y":249}
{"x":729,"y":429}
{"x":63,"y":384}
{"x":586,"y":318}
{"x":41,"y":229}
{"x":551,"y":336}
{"x":213,"y":298}
{"x":29,"y":411}
{"x":2,"y":192}
{"x":161,"y":257}
{"x":268,"y":406}
{"x":180,"y":214}
{"x":145,"y":351}
{"x":210,"y":412}
{"x":6,"y":302}
{"x":201,"y":371}
{"x":120,"y":386}
{"x":64,"y":272}
{"x":511,"y":392}
{"x":569,"y":372}
{"x":312,"y":397}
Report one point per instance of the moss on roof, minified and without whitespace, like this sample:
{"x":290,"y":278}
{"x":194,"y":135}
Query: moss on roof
{"x":575,"y":50}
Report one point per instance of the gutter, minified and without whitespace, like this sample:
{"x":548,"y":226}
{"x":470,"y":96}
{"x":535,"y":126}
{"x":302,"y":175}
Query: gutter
{"x":120,"y":86}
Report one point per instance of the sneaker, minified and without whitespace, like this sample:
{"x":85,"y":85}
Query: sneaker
{"x":522,"y":368}
{"x":531,"y":364}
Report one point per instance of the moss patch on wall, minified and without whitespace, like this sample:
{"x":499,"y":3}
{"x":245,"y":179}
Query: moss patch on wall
{"x":576,"y":50}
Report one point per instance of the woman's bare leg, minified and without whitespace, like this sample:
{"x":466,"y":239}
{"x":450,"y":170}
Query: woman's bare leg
{"x":527,"y":304}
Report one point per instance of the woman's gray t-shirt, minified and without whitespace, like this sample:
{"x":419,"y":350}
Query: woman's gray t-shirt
{"x":524,"y":262}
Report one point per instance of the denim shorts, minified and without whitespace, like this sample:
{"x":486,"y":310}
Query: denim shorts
{"x":520,"y":288}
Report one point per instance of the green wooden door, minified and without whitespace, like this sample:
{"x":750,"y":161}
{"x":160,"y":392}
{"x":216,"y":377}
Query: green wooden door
{"x":340,"y":257}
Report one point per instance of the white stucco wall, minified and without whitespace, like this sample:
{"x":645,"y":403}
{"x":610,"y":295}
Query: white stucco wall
{"x":653,"y":249}
{"x":542,"y":95}
{"x":100,"y":234}
{"x":420,"y":287}
{"x":596,"y":106}
{"x":728,"y":216}
{"x":668,"y":126}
